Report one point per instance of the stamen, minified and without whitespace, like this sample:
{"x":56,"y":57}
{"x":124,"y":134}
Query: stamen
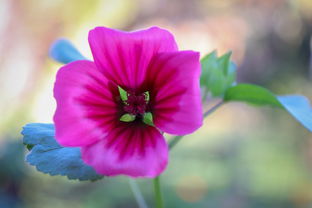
{"x":135,"y":106}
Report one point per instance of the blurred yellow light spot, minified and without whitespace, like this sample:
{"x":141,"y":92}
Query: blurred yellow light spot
{"x":191,"y":188}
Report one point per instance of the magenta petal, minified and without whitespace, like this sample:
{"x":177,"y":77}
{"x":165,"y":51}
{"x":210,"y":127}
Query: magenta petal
{"x":85,"y":104}
{"x":124,"y":56}
{"x":177,"y":105}
{"x":133,"y":151}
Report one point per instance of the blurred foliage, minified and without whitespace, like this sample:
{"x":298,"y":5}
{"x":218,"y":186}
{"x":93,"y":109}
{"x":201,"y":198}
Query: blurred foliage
{"x":241,"y":158}
{"x":218,"y":73}
{"x":12,"y":173}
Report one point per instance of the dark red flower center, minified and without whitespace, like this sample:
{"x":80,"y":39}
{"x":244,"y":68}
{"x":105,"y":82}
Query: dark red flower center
{"x":135,"y":107}
{"x":136,"y":104}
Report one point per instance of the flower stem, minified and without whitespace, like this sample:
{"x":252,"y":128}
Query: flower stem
{"x":213,"y":109}
{"x":176,"y":139}
{"x":158,"y":195}
{"x":137,"y":193}
{"x":172,"y":143}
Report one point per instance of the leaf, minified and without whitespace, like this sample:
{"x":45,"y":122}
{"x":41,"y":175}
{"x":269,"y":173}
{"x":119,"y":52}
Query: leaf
{"x":148,"y":118}
{"x":218,"y":74}
{"x":252,"y":94}
{"x":51,"y":158}
{"x":64,"y":52}
{"x":123,"y":94}
{"x":127,"y":117}
{"x":299,"y":107}
{"x":296,"y":105}
{"x":224,"y":62}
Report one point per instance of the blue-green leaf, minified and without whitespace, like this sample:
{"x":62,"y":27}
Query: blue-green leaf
{"x":51,"y":158}
{"x":218,"y":74}
{"x":64,"y":52}
{"x":297,"y":105}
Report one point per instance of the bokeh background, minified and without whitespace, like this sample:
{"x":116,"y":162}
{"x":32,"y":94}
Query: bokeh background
{"x":243,"y":157}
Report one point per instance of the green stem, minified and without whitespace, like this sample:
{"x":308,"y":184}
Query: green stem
{"x":176,"y":139}
{"x":137,"y":193}
{"x":213,"y":109}
{"x":172,"y":143}
{"x":157,"y":190}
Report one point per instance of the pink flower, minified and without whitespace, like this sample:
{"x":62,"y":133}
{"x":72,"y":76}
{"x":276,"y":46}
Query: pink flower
{"x":117,"y":107}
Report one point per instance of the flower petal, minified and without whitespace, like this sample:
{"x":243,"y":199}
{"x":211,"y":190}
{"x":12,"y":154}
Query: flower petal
{"x":85,"y":104}
{"x":137,"y":151}
{"x":175,"y":82}
{"x":124,"y":56}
